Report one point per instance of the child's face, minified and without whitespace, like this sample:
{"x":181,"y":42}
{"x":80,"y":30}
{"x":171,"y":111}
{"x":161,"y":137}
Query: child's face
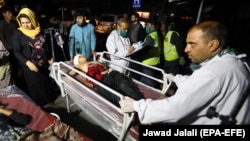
{"x":82,"y":59}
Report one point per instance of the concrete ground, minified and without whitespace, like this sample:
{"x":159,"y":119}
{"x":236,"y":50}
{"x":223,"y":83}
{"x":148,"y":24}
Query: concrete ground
{"x":78,"y":120}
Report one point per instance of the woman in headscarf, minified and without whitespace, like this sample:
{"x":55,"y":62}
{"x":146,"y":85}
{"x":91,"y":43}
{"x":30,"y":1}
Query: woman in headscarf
{"x":32,"y":54}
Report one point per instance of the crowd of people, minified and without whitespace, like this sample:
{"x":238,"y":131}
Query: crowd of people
{"x":24,"y":61}
{"x":191,"y":94}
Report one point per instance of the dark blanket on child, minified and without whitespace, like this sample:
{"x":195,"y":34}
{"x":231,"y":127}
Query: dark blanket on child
{"x":115,"y":80}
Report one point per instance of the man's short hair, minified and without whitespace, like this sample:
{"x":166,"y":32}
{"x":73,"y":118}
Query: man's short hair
{"x":5,"y":8}
{"x":122,"y":20}
{"x":135,"y":14}
{"x":80,"y":12}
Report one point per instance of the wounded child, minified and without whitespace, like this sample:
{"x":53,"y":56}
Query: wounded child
{"x":113,"y":79}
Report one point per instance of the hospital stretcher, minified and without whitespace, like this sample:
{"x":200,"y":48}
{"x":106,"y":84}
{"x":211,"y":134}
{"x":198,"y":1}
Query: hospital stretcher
{"x":124,"y":126}
{"x":43,"y":125}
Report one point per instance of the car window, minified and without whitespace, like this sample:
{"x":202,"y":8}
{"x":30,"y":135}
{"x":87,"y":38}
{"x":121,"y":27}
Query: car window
{"x":107,"y":18}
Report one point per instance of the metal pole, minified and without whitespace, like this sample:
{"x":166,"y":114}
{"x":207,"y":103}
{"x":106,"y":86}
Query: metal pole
{"x":52,"y":42}
{"x":62,"y":8}
{"x":199,"y":12}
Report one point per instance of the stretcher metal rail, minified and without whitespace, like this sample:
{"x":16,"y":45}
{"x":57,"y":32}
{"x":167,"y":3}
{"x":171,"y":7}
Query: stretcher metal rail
{"x":109,"y":116}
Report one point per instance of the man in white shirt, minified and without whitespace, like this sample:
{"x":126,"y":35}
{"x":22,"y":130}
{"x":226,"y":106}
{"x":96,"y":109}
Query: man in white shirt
{"x":118,"y":44}
{"x":219,"y":82}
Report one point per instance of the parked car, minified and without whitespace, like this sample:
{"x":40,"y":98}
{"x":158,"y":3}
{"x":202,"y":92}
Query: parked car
{"x":106,"y":23}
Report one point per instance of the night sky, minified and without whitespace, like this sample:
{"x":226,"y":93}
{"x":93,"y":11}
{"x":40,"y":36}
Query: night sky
{"x":97,"y":6}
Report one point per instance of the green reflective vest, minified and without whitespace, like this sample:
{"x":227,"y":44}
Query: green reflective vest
{"x":169,"y":49}
{"x":153,"y":55}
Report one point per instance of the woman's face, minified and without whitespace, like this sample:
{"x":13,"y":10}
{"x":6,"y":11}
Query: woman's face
{"x":25,"y":23}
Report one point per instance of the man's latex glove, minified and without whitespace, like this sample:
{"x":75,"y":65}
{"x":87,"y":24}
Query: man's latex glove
{"x":127,"y":104}
{"x":182,"y":61}
{"x":170,"y":76}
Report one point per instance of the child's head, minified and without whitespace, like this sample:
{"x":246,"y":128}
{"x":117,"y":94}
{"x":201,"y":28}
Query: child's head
{"x":78,"y":59}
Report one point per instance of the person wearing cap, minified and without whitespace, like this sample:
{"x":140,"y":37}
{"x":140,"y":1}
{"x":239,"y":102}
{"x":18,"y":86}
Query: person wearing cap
{"x":111,"y":78}
{"x":33,"y":57}
{"x":82,"y":38}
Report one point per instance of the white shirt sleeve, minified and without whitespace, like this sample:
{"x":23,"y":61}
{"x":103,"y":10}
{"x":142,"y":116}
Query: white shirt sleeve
{"x":117,"y":45}
{"x":187,"y":99}
{"x":179,"y":79}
